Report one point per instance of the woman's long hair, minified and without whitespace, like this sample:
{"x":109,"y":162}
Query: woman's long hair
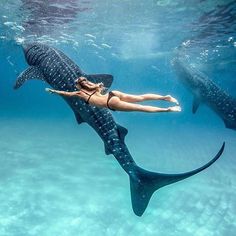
{"x":88,"y":87}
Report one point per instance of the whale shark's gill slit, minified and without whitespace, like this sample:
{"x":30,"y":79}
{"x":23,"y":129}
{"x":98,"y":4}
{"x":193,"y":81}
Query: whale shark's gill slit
{"x":27,"y":51}
{"x":33,"y":58}
{"x":30,"y":58}
{"x":37,"y":58}
{"x":40,"y":59}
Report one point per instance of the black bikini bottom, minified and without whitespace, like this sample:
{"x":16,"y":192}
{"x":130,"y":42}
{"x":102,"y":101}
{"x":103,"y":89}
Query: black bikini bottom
{"x":110,"y":95}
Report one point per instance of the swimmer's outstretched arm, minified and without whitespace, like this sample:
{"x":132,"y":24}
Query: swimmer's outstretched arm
{"x":63,"y":93}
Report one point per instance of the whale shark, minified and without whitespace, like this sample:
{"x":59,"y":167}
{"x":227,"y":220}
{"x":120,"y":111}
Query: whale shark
{"x":206,"y":91}
{"x":60,"y":72}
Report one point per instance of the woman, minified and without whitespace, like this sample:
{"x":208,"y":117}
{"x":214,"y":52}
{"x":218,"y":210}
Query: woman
{"x":115,"y":100}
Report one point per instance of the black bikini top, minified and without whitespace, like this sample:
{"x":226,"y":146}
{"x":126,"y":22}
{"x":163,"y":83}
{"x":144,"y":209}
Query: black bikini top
{"x":89,"y":95}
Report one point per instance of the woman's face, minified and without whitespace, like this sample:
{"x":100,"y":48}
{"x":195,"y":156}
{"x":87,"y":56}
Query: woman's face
{"x":78,"y":86}
{"x":80,"y":82}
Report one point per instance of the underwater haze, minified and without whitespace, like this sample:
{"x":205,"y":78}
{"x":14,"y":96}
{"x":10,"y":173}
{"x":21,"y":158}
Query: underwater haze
{"x":55,"y":178}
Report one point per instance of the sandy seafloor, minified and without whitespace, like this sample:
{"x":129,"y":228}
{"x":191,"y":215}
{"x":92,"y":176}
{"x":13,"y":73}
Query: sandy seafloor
{"x":58,"y":181}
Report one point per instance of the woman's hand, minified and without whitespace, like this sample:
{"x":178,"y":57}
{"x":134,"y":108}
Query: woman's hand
{"x":49,"y":90}
{"x":100,"y":85}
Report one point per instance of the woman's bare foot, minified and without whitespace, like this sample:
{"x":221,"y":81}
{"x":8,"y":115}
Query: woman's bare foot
{"x":171,"y":99}
{"x":175,"y":108}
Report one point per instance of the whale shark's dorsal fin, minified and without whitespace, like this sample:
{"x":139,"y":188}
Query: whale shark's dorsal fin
{"x":122,"y":131}
{"x":196,"y":103}
{"x":33,"y":72}
{"x":106,"y":79}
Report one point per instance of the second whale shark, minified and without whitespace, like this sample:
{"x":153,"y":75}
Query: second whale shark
{"x":54,"y":67}
{"x":205,"y":91}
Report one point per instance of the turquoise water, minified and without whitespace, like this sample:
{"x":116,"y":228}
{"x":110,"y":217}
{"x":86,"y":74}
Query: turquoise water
{"x":55,"y":176}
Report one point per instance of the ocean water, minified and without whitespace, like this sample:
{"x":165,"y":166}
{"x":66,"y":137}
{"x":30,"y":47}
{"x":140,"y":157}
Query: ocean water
{"x":55,"y":178}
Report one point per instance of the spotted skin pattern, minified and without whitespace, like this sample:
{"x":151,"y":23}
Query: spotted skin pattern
{"x":55,"y":68}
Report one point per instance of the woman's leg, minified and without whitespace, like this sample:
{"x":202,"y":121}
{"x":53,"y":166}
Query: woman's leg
{"x":117,"y":104}
{"x":139,"y":98}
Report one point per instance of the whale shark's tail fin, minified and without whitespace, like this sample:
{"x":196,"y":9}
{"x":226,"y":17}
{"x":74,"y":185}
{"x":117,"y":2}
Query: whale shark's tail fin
{"x":144,"y":183}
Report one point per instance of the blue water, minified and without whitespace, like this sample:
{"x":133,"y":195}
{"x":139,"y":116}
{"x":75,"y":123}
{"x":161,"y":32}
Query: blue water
{"x":55,"y":178}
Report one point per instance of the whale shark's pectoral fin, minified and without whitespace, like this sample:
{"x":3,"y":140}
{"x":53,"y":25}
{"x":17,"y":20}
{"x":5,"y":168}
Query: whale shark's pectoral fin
{"x":106,"y":79}
{"x":122,"y":131}
{"x":33,"y":72}
{"x":196,"y":103}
